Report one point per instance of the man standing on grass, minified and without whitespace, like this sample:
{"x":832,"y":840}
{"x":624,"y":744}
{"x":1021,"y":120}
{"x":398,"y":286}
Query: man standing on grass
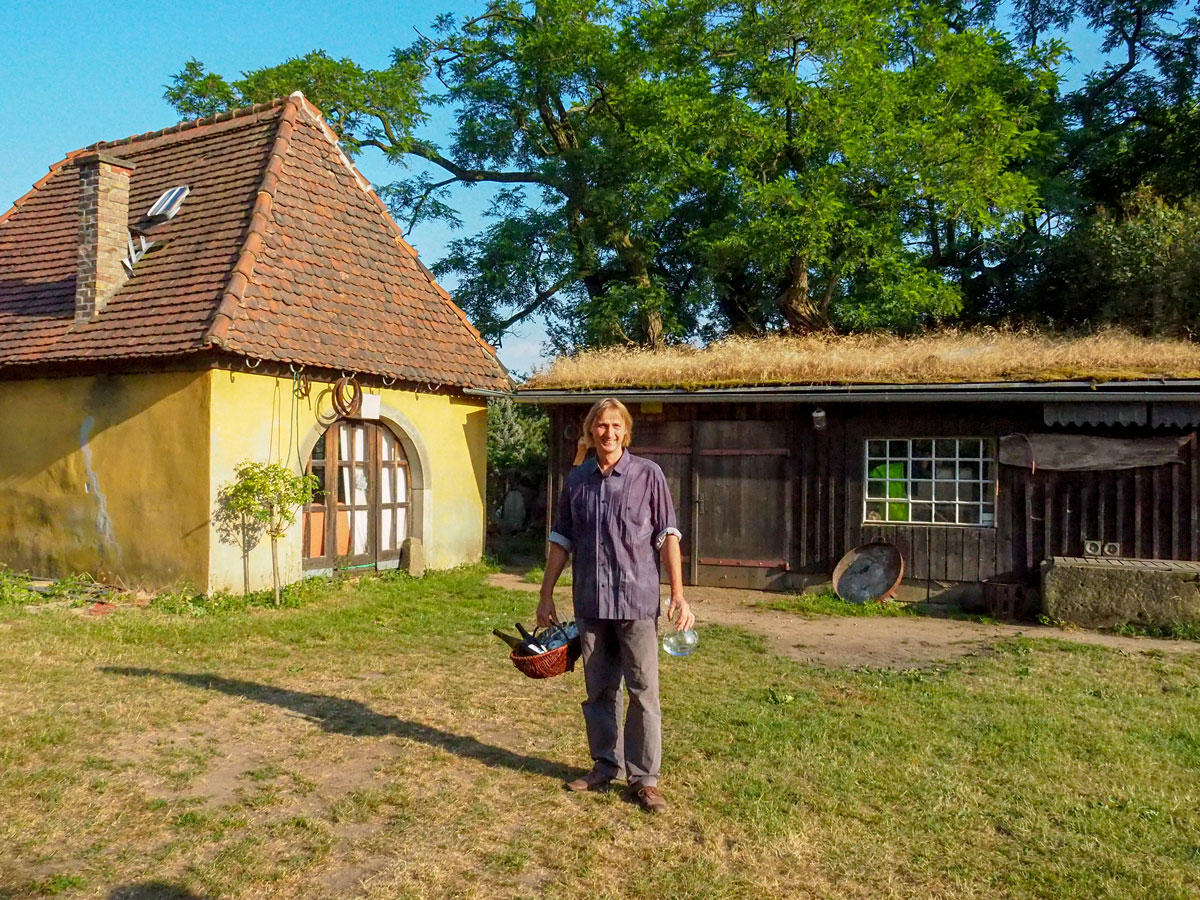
{"x":615,"y":516}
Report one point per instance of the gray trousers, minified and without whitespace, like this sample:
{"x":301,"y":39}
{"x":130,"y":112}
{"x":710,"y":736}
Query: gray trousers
{"x":614,"y":649}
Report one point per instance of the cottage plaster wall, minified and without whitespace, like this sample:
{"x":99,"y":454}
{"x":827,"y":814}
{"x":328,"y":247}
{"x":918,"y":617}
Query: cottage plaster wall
{"x":257,"y":417}
{"x":106,"y":474}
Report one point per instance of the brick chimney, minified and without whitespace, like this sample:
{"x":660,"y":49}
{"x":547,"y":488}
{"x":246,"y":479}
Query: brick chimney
{"x":103,"y":232}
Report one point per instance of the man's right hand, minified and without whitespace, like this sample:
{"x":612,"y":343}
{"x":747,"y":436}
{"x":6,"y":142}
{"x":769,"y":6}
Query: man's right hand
{"x":547,"y":612}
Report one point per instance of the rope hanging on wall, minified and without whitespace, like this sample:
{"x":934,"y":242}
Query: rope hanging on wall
{"x":301,"y":388}
{"x":347,"y":396}
{"x":301,"y":383}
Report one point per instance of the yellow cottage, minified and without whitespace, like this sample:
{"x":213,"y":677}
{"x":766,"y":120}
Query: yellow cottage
{"x":225,"y":290}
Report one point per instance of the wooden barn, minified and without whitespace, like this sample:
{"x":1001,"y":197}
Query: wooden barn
{"x":977,"y":455}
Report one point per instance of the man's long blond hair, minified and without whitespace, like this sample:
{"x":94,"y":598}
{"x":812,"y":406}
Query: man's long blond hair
{"x":598,"y":409}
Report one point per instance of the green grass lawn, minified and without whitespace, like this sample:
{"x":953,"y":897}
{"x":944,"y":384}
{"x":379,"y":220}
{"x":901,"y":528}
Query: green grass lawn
{"x":537,"y":573}
{"x":827,"y":603}
{"x":373,"y":740}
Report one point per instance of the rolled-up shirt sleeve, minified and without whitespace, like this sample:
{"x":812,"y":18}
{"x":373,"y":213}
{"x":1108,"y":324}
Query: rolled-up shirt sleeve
{"x":661,"y":538}
{"x":563,"y":531}
{"x":662,"y":510}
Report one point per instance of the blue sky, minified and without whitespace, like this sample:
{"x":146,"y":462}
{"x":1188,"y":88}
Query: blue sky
{"x":75,"y":73}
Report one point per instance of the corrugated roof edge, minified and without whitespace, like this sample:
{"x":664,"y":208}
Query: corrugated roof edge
{"x":1039,"y":391}
{"x":260,"y":219}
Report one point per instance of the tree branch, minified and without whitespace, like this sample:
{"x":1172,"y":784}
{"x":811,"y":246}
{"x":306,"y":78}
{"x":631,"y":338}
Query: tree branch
{"x":1131,"y":44}
{"x":427,"y":152}
{"x":538,"y":300}
{"x":425,"y":195}
{"x":827,"y":296}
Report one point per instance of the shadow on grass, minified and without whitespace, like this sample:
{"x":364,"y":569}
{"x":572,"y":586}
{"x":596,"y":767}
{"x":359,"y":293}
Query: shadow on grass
{"x":142,"y":890}
{"x":350,"y":717}
{"x":153,"y":890}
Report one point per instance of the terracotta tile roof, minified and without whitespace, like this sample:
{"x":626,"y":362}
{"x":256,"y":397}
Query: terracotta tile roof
{"x":281,"y":251}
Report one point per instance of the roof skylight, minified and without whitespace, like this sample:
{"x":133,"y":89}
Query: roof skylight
{"x":168,"y":204}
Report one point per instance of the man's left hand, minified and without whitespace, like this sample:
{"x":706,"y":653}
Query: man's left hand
{"x":680,"y":612}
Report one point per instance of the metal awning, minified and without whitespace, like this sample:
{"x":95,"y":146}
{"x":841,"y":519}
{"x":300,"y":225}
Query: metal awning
{"x":1094,"y":412}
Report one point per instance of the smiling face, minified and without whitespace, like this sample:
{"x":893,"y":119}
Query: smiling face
{"x":608,"y":435}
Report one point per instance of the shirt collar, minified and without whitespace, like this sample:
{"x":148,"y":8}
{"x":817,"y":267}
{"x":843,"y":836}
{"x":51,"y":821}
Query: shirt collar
{"x":619,"y":468}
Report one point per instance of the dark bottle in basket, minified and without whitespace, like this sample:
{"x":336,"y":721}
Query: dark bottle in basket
{"x":514,"y":642}
{"x":530,"y":646}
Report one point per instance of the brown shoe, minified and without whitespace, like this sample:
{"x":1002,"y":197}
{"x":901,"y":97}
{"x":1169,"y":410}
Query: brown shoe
{"x":648,"y":797}
{"x":594,"y":780}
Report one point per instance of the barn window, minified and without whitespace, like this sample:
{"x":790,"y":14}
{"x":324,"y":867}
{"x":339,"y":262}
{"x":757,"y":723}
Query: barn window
{"x":935,"y":481}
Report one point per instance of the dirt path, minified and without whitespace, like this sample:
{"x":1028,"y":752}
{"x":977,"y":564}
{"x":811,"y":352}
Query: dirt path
{"x":878,"y":642}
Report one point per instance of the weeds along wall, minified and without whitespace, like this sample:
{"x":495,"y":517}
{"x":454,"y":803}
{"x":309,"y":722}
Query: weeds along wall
{"x":108,"y":475}
{"x":259,"y":417}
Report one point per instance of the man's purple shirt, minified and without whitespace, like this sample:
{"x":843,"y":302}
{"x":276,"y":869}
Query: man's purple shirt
{"x":613,"y":526}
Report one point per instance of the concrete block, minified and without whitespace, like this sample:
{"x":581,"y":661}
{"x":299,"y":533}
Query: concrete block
{"x":1102,"y":593}
{"x":412,"y":557}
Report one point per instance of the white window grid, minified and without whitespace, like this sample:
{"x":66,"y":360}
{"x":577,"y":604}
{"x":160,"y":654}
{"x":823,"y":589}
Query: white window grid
{"x":930,"y":481}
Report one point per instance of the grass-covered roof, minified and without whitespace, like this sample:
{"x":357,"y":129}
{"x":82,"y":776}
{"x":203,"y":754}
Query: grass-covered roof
{"x":944,"y":357}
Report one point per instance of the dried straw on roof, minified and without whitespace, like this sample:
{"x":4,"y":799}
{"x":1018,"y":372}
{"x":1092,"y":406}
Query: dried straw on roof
{"x":945,"y":357}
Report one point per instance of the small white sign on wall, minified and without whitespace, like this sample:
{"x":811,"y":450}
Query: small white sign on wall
{"x":370,"y":406}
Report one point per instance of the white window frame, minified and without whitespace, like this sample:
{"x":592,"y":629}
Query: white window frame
{"x":907,"y":495}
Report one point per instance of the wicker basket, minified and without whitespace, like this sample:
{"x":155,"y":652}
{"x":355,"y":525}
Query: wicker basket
{"x":544,"y":665}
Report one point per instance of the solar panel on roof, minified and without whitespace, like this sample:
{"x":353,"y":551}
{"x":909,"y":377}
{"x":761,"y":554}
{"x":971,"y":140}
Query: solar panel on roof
{"x":168,"y":204}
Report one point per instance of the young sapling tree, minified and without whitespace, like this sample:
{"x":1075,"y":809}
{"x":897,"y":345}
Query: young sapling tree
{"x":270,"y":494}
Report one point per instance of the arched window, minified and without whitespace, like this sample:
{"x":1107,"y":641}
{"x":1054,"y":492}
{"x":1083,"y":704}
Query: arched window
{"x":361,"y":513}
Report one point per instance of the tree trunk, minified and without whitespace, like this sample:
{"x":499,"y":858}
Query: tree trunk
{"x":796,"y":303}
{"x":935,"y":242}
{"x":275,"y":566}
{"x":654,"y":329}
{"x":245,"y":556}
{"x":737,"y":298}
{"x":639,"y":273}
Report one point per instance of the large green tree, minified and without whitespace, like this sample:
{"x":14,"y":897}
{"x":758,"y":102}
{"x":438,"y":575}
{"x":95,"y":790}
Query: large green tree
{"x":1136,"y":265}
{"x":1130,"y":122}
{"x":671,"y":164}
{"x":863,"y":142}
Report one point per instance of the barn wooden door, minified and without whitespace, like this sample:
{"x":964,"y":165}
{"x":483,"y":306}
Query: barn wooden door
{"x":743,"y":514}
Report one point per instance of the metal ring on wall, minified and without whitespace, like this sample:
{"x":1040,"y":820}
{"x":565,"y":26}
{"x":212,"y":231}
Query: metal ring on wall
{"x":347,"y":406}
